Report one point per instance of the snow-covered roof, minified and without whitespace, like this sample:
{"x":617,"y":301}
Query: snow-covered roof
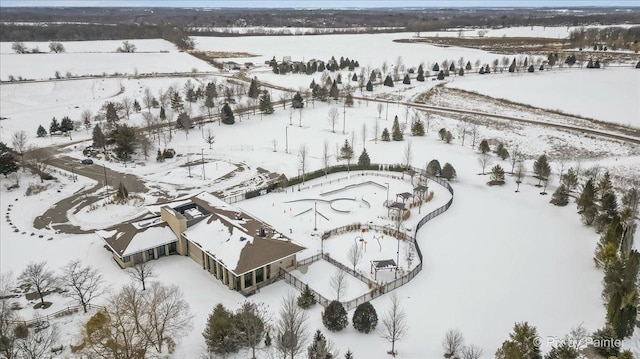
{"x":131,"y":238}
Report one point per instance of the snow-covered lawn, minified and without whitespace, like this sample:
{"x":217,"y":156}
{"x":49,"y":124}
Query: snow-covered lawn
{"x":318,"y":276}
{"x":579,"y":92}
{"x":142,"y":45}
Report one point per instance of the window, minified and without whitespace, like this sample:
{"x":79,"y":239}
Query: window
{"x":268,"y":270}
{"x":248,"y":280}
{"x":172,"y":248}
{"x":150,"y":254}
{"x":126,"y":259}
{"x":161,"y":251}
{"x":259,"y":275}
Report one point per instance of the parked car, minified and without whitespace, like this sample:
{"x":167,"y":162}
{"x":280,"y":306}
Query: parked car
{"x":87,"y":161}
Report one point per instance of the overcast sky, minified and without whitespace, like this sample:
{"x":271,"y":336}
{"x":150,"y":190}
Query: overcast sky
{"x":322,"y":4}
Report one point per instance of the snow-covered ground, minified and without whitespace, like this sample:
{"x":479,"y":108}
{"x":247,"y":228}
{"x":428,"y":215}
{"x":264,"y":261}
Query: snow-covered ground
{"x":142,"y":45}
{"x":551,"y":32}
{"x":568,"y":91}
{"x":496,"y":257}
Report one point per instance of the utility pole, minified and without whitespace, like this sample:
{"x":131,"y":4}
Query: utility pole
{"x":315,"y":217}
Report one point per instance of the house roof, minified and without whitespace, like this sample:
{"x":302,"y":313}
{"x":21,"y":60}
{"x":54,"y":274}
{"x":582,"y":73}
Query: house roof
{"x":232,"y":237}
{"x":129,"y":238}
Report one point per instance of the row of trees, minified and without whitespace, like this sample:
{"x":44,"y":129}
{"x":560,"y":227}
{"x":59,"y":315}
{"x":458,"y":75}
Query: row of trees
{"x":20,"y":48}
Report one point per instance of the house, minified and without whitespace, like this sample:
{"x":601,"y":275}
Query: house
{"x":241,"y":251}
{"x":230,"y":65}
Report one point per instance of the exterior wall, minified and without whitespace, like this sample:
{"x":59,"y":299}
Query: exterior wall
{"x":196,"y":254}
{"x":287,"y":264}
{"x":178,"y":224}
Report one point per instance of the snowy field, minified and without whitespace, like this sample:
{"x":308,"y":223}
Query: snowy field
{"x":550,"y":32}
{"x":44,"y":66}
{"x":380,"y":47}
{"x":142,"y":45}
{"x":494,"y":258}
{"x":568,"y":91}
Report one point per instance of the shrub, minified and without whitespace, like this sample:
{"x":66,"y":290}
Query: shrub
{"x":335,"y":317}
{"x":365,"y":318}
{"x":306,"y":298}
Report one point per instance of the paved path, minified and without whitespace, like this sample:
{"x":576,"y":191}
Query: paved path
{"x":56,"y":215}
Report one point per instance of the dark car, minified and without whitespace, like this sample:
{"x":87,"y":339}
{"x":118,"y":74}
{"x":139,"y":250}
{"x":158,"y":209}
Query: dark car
{"x":87,"y":161}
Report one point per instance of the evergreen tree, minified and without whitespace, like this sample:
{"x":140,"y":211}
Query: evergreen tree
{"x":348,"y":100}
{"x":334,"y":93}
{"x":522,"y":343}
{"x":497,"y":175}
{"x":435,"y":67}
{"x":176,"y":102}
{"x":54,"y":126}
{"x":334,"y":317}
{"x":266,"y":106}
{"x":448,"y":172}
{"x":388,"y":81}
{"x":306,"y":298}
{"x":606,"y":336}
{"x":420,"y":76}
{"x":66,"y":125}
{"x":41,"y":132}
{"x":452,"y":67}
{"x":503,"y":153}
{"x":563,"y":351}
{"x":8,"y":163}
{"x":349,"y":355}
{"x":125,"y":141}
{"x":159,"y":156}
{"x":365,"y":318}
{"x":441,"y":75}
{"x":406,"y":80}
{"x":560,"y":196}
{"x":570,"y":179}
{"x":226,"y":115}
{"x":487,"y":69}
{"x":369,"y":86}
{"x":442,"y":133}
{"x":586,"y":203}
{"x":313,"y":84}
{"x":123,"y":193}
{"x":417,"y":128}
{"x":484,"y":146}
{"x":210,"y":90}
{"x":354,"y":78}
{"x":396,"y":134}
{"x":541,"y":168}
{"x":298,"y":101}
{"x":531,"y":69}
{"x":111,"y":113}
{"x":191,"y":95}
{"x":604,"y":186}
{"x":320,"y":348}
{"x":512,"y":68}
{"x":136,"y":106}
{"x":468,"y":67}
{"x":254,"y":90}
{"x":364,"y":159}
{"x":461,"y":72}
{"x":385,"y":135}
{"x":163,"y":114}
{"x":481,"y":71}
{"x":346,"y":151}
{"x":183,"y":121}
{"x":99,"y":140}
{"x":220,"y":334}
{"x":433,"y":168}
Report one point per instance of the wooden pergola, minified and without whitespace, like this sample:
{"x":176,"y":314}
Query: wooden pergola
{"x":389,"y":264}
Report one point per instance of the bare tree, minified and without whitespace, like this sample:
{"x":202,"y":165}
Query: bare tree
{"x":118,"y":328}
{"x":472,"y":352}
{"x":376,"y":130}
{"x":9,"y":339}
{"x":325,"y":157}
{"x":408,"y":154}
{"x":303,"y":153}
{"x":274,"y":144}
{"x":379,"y":108}
{"x":141,"y":272}
{"x":210,"y":137}
{"x":147,"y":99}
{"x":37,"y":344}
{"x":166,"y":315}
{"x":85,"y":117}
{"x":145,"y":145}
{"x":514,"y":158}
{"x":84,"y":284}
{"x":519,"y":174}
{"x":39,"y":159}
{"x":394,"y":324}
{"x":339,"y":283}
{"x":355,"y":255}
{"x":561,"y":163}
{"x":474,"y":131}
{"x":452,"y":343}
{"x":291,"y":328}
{"x":300,"y":117}
{"x":363,"y":133}
{"x":484,"y":160}
{"x":127,"y":106}
{"x":333,"y":116}
{"x":463,"y":127}
{"x":39,"y":278}
{"x":252,"y":320}
{"x":149,"y":121}
{"x":291,"y":111}
{"x":19,"y":141}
